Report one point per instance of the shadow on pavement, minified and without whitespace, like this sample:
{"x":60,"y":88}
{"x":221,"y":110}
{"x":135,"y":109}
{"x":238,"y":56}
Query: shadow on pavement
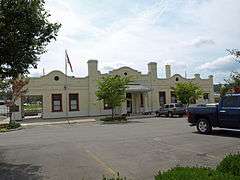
{"x":19,"y":172}
{"x":224,"y":133}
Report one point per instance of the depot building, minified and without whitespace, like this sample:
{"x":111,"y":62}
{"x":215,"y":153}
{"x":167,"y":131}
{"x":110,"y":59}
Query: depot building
{"x":145,"y":93}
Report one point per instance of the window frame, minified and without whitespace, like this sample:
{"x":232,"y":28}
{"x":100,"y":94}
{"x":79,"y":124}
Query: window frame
{"x":69,"y":104}
{"x":60,"y":98}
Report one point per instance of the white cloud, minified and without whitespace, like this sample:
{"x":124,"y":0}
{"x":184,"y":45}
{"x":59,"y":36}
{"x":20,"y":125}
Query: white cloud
{"x":182,"y":34}
{"x":225,"y":63}
{"x":200,"y":42}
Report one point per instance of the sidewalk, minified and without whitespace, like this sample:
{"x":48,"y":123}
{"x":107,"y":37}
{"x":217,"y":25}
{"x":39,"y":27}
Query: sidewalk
{"x":55,"y":122}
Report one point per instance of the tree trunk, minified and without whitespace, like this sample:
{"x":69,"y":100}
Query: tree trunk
{"x":112,"y":113}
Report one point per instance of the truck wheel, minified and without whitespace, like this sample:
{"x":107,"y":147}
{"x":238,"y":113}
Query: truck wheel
{"x":203,"y":126}
{"x":170,"y":114}
{"x":157,"y":114}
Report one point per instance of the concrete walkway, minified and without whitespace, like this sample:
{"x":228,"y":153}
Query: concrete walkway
{"x":42,"y":123}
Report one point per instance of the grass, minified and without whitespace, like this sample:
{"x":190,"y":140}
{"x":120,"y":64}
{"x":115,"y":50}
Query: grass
{"x":228,"y":169}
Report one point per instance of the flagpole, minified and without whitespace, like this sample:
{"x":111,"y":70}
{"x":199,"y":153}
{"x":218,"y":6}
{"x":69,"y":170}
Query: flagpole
{"x":66,"y":88}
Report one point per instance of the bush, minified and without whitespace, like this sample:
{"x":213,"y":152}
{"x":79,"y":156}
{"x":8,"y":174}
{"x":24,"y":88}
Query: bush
{"x":13,"y":125}
{"x":194,"y":173}
{"x":117,"y":118}
{"x":2,"y":130}
{"x":230,"y":164}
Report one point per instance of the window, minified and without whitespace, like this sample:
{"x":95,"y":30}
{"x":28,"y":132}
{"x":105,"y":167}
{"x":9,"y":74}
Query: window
{"x":171,"y":106}
{"x":177,"y":79}
{"x":162,"y":98}
{"x":56,"y":102}
{"x":166,"y":106}
{"x":173,"y":97}
{"x":231,"y":101}
{"x":206,"y":96}
{"x":56,"y":78}
{"x":141,"y":100}
{"x":106,"y":106}
{"x":73,"y":102}
{"x":129,"y":96}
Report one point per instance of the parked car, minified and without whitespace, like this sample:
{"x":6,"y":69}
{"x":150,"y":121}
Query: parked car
{"x":226,"y":114}
{"x":171,"y":109}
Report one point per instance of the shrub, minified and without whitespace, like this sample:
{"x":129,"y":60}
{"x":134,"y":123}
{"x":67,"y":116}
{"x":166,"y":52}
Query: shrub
{"x":230,"y":164}
{"x":194,"y":173}
{"x":7,"y":127}
{"x":117,"y":118}
{"x":2,"y":130}
{"x":13,"y":125}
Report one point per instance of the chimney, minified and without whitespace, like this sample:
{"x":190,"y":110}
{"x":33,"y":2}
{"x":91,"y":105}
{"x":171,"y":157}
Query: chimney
{"x":197,"y":76}
{"x":168,"y":71}
{"x":92,"y":68}
{"x":152,"y":69}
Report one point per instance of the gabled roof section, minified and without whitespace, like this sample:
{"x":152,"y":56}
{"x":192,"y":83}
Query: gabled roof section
{"x":124,"y":71}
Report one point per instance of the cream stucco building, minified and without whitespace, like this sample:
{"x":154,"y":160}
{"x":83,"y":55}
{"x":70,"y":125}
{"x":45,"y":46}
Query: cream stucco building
{"x":145,"y":93}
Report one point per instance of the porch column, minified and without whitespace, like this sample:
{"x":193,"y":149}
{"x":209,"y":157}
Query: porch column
{"x":145,"y":101}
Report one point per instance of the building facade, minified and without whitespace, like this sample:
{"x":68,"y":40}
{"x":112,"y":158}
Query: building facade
{"x":145,"y":93}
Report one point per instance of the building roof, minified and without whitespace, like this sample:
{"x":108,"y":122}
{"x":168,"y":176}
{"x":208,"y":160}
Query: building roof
{"x":138,"y":88}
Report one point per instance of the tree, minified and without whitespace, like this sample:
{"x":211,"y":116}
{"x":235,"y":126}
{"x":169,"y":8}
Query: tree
{"x":5,"y":90}
{"x":112,"y":89}
{"x":16,"y":90}
{"x":235,"y":53}
{"x":232,"y":84}
{"x":25,"y":31}
{"x":187,"y":93}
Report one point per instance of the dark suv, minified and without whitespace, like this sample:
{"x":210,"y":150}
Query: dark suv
{"x":171,"y":109}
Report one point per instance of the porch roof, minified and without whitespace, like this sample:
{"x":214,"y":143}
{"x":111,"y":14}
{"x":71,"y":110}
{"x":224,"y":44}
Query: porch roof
{"x":137,"y":88}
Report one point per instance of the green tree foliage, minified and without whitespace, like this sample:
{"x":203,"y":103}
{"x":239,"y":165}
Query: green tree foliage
{"x":235,"y":53}
{"x":232,"y":84}
{"x":187,"y":93}
{"x":112,"y":89}
{"x":4,"y":90}
{"x":25,"y":31}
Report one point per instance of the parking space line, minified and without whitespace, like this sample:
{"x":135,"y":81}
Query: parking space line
{"x":99,"y":161}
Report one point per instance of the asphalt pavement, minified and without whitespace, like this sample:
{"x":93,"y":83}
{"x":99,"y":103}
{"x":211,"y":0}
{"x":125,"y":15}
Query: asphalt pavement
{"x":138,"y":149}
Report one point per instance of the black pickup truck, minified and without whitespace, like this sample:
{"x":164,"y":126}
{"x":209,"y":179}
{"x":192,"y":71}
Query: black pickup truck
{"x":226,"y":114}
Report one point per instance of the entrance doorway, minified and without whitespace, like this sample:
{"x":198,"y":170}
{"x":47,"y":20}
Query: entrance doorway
{"x":129,"y":103}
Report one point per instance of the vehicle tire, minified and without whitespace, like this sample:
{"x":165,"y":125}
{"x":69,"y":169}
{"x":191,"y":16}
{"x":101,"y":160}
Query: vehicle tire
{"x":203,"y":126}
{"x":170,"y":114}
{"x":157,"y":114}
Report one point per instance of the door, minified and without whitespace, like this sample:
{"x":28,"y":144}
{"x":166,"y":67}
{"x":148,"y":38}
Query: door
{"x":129,"y":103}
{"x":229,"y":112}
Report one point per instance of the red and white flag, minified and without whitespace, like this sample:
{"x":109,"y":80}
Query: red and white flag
{"x":68,"y":60}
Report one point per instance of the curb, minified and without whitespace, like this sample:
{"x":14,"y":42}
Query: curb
{"x":59,"y":122}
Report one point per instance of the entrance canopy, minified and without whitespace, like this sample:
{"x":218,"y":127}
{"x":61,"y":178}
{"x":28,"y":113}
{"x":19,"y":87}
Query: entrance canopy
{"x":133,"y":88}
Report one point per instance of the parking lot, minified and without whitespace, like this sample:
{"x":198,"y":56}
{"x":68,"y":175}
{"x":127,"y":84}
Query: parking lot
{"x":137,"y":149}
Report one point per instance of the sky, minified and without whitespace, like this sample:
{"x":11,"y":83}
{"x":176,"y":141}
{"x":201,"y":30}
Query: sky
{"x":190,"y":35}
